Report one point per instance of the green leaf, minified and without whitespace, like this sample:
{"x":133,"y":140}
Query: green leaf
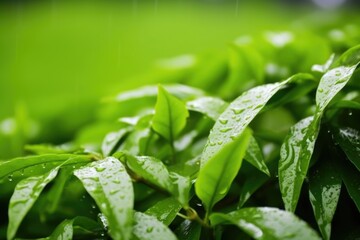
{"x":188,"y":230}
{"x":54,"y":195}
{"x":209,"y":106}
{"x":20,"y":163}
{"x":178,"y":90}
{"x":150,"y":169}
{"x":255,"y":157}
{"x":216,"y":176}
{"x":253,"y":181}
{"x":349,"y":141}
{"x":351,"y":179}
{"x":331,"y":83}
{"x":324,"y":193}
{"x":170,"y":115}
{"x":233,"y":121}
{"x":112,"y":140}
{"x":181,"y":188}
{"x":349,"y":58}
{"x":295,"y":156}
{"x":110,"y":186}
{"x":165,"y":210}
{"x":267,"y":223}
{"x":64,"y":231}
{"x":148,"y":228}
{"x":26,"y":193}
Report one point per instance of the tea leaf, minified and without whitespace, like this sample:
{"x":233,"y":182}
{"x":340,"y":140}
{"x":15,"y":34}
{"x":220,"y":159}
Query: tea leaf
{"x":20,"y":163}
{"x":148,"y":228}
{"x":111,"y":141}
{"x":64,"y":231}
{"x":331,"y":83}
{"x":233,"y":121}
{"x":170,"y":115}
{"x":324,"y":193}
{"x":209,"y":106}
{"x":295,"y":156}
{"x":26,"y":193}
{"x":255,"y":157}
{"x":349,"y":141}
{"x":267,"y":223}
{"x":216,"y":176}
{"x":110,"y":186}
{"x":188,"y":230}
{"x":165,"y":210}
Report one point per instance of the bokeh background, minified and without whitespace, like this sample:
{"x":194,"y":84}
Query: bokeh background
{"x":59,"y":59}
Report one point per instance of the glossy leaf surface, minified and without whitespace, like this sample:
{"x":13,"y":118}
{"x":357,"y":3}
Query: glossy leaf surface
{"x":295,"y":156}
{"x":216,"y":176}
{"x":26,"y":193}
{"x":111,"y":140}
{"x":64,"y":231}
{"x":20,"y":163}
{"x":170,"y":115}
{"x":148,"y":228}
{"x":324,"y":193}
{"x":233,"y":121}
{"x":209,"y":106}
{"x":165,"y":210}
{"x":349,"y":140}
{"x":110,"y":186}
{"x":150,"y":169}
{"x":255,"y":157}
{"x":267,"y":223}
{"x":331,"y":83}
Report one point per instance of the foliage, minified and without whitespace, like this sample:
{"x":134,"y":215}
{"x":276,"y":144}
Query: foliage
{"x":166,"y":161}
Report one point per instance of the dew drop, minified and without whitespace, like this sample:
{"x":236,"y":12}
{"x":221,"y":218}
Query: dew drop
{"x":99,"y":169}
{"x":320,"y":90}
{"x":220,"y":142}
{"x":337,"y":73}
{"x":10,"y":178}
{"x":43,"y":165}
{"x":223,"y":121}
{"x":224,"y":130}
{"x":237,"y":110}
{"x":149,"y":229}
{"x":212,"y":144}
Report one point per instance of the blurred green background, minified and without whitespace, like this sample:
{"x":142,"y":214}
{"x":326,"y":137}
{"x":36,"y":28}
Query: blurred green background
{"x":59,"y":58}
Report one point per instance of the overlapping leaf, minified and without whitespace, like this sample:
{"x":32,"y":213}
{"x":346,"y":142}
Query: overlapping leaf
{"x":170,"y":115}
{"x":216,"y":176}
{"x":324,"y":192}
{"x":26,"y":193}
{"x":148,"y":228}
{"x":267,"y":223}
{"x":295,"y":156}
{"x":110,"y":186}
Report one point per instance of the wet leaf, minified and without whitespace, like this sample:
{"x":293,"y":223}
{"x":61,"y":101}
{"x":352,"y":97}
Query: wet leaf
{"x":64,"y":231}
{"x":110,"y":186}
{"x":324,"y":193}
{"x":349,"y":141}
{"x":150,"y":169}
{"x":165,"y":210}
{"x":20,"y":163}
{"x":170,"y":115}
{"x":178,"y":90}
{"x":209,"y":106}
{"x":216,"y":176}
{"x":181,"y":188}
{"x":267,"y":223}
{"x":148,"y":228}
{"x":111,"y":140}
{"x":255,"y":157}
{"x":233,"y":121}
{"x":188,"y":230}
{"x":295,"y":156}
{"x":331,"y":83}
{"x":351,"y":178}
{"x":26,"y":193}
